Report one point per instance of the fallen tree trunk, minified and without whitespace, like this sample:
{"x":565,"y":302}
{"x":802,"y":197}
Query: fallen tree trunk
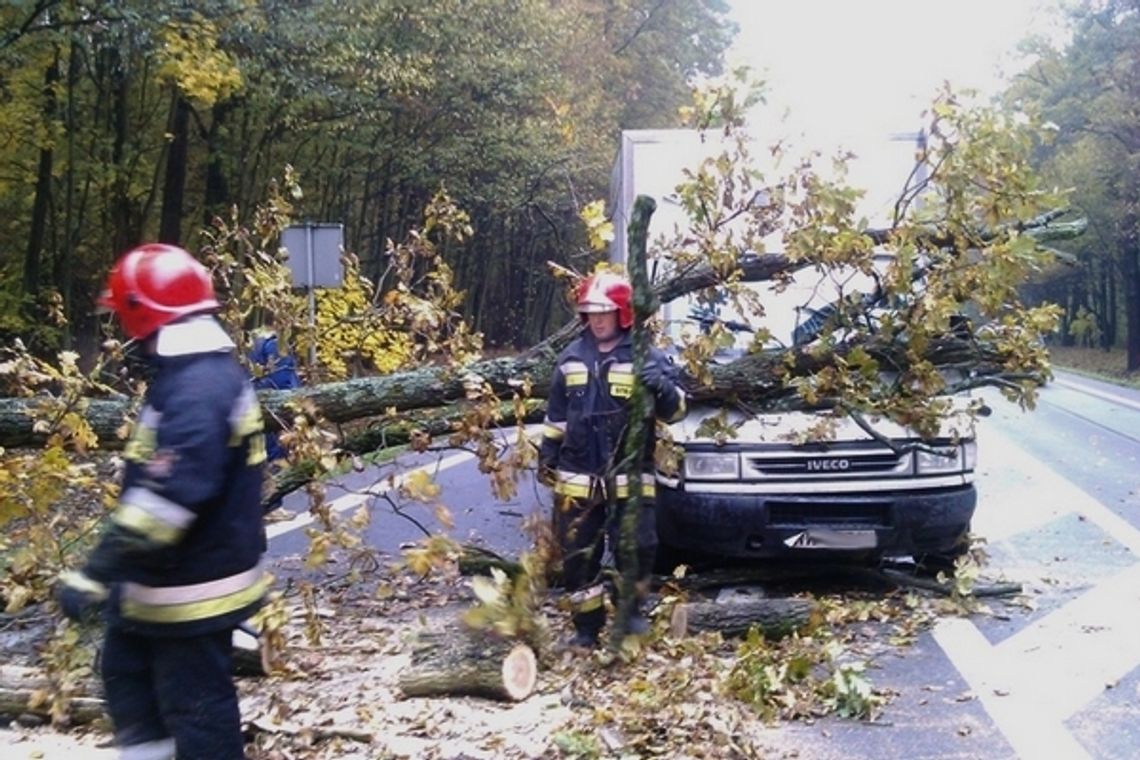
{"x":462,"y":661}
{"x":22,"y":691}
{"x":755,"y":379}
{"x":776,"y":617}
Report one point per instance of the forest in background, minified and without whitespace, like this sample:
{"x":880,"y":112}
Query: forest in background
{"x":127,"y":121}
{"x":1090,"y":90}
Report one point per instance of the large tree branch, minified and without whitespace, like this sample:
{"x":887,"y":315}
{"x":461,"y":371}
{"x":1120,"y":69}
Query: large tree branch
{"x":756,"y":379}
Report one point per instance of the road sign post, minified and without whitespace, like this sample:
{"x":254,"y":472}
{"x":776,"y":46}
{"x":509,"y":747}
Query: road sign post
{"x":314,"y":262}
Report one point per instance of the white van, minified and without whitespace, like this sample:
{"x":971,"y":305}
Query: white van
{"x":760,"y":494}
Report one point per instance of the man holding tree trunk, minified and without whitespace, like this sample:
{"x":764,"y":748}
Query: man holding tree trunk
{"x":587,"y":421}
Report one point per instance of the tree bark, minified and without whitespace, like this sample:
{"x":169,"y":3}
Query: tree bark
{"x":640,"y":418}
{"x":461,"y":661}
{"x":754,"y":379}
{"x":217,"y":197}
{"x":174,"y":184}
{"x":1130,"y":253}
{"x":33,"y":255}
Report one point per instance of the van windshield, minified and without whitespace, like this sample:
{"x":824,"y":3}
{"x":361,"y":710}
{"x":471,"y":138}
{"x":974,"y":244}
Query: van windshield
{"x":792,"y":312}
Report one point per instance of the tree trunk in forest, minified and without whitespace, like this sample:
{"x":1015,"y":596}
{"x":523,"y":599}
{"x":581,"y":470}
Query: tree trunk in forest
{"x":462,"y":661}
{"x":124,"y":230}
{"x":174,"y":182}
{"x":1130,"y":268}
{"x":33,"y":254}
{"x":776,"y":618}
{"x":72,"y":219}
{"x":1112,"y":328}
{"x":217,"y":198}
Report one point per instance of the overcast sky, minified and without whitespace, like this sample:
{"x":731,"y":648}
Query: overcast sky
{"x":860,"y":67}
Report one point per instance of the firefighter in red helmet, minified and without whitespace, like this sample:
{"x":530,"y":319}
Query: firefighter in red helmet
{"x":588,"y":413}
{"x":179,"y":564}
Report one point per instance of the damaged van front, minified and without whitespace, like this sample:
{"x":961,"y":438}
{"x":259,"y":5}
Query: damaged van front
{"x":761,"y":495}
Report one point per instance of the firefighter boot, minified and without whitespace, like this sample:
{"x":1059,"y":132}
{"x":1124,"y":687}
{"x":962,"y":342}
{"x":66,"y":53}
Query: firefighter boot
{"x":638,"y":619}
{"x":587,"y":626}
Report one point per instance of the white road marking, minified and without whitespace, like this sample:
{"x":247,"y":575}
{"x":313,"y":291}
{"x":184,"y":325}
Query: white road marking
{"x":1040,"y":499}
{"x":1103,"y":395}
{"x":1070,"y":656}
{"x":1004,"y":508}
{"x":1031,"y":734}
{"x":353,"y":500}
{"x":1036,"y":679}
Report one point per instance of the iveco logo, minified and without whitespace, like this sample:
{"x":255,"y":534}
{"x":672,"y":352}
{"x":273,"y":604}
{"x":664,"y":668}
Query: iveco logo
{"x":828,"y":465}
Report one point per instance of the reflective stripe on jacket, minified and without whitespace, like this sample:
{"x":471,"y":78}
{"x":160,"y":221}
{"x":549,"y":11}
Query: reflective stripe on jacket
{"x":183,"y":552}
{"x":588,"y":415}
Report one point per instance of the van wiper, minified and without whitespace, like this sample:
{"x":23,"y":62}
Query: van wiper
{"x":706,"y":318}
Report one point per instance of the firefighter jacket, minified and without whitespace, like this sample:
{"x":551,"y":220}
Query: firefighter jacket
{"x":182,"y":554}
{"x":588,"y":414}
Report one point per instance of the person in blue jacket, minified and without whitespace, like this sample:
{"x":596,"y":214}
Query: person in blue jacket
{"x":278,"y":371}
{"x":587,"y":417}
{"x":179,"y":564}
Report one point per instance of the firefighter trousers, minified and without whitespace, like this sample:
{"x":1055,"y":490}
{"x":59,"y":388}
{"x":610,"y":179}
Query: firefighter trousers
{"x":581,"y":528}
{"x":178,"y":688}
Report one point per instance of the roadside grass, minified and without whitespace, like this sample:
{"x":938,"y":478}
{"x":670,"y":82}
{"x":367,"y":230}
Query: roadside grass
{"x":1096,"y":363}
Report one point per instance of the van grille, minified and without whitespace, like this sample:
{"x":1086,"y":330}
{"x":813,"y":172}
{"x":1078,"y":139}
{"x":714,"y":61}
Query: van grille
{"x":814,"y":464}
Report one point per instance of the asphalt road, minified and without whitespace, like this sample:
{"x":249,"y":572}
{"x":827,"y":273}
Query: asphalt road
{"x":1055,"y":675}
{"x":1059,"y":507}
{"x":397,"y":521}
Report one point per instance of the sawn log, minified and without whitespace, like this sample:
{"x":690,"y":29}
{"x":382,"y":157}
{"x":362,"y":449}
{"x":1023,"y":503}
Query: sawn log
{"x":775,"y":617}
{"x":462,"y":661}
{"x":22,"y":692}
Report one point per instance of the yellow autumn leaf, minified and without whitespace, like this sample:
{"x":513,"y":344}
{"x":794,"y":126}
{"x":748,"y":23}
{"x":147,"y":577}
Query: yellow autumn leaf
{"x":443,"y":516}
{"x":486,"y":590}
{"x":599,"y":230}
{"x":419,"y":486}
{"x":419,"y":561}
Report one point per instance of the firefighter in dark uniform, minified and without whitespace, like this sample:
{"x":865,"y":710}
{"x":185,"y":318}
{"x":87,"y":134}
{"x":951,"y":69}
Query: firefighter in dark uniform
{"x":588,"y":414}
{"x":180,"y":562}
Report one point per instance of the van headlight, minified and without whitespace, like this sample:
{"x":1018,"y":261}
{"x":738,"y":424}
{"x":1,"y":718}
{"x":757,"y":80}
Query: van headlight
{"x":969,"y":455}
{"x":944,"y":459}
{"x":704,"y":465}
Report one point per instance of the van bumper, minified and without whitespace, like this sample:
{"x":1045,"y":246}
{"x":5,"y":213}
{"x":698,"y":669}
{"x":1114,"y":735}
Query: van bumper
{"x":887,"y":524}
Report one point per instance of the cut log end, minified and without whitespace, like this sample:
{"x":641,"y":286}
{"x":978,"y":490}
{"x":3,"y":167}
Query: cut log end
{"x":520,"y":672}
{"x":679,"y":622}
{"x":459,"y":661}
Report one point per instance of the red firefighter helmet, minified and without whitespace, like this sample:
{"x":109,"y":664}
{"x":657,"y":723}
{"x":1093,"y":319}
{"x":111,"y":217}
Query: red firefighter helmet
{"x":155,"y":284}
{"x":606,"y":291}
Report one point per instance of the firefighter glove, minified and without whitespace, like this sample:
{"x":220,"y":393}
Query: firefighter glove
{"x":656,"y":378}
{"x":80,"y":598}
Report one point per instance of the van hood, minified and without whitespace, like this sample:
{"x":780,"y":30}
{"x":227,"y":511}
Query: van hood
{"x":802,"y":427}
